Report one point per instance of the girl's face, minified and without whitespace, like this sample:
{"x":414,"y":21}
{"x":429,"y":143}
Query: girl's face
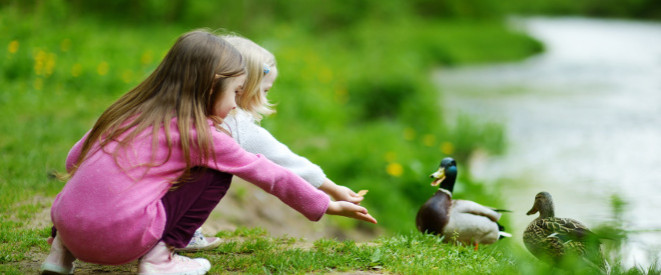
{"x":227,"y":102}
{"x":268,"y":79}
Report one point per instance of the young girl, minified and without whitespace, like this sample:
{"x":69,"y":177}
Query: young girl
{"x":253,"y":105}
{"x":127,"y":196}
{"x":243,"y":124}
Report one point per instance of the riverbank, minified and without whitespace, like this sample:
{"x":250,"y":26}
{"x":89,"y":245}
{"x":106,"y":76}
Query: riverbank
{"x":582,"y":121}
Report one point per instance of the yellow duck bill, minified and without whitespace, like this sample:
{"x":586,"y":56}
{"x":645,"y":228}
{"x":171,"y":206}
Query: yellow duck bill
{"x":438,"y":176}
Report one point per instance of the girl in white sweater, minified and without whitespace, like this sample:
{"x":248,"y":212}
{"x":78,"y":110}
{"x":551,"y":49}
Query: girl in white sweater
{"x":244,"y":127}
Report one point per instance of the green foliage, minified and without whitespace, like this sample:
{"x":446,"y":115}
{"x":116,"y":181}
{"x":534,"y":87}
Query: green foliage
{"x":640,"y":9}
{"x":368,"y":114}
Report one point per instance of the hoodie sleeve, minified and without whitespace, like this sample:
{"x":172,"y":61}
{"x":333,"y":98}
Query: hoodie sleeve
{"x":272,"y":178}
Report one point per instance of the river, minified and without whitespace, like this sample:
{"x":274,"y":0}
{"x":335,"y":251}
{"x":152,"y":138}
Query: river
{"x":583,"y":122}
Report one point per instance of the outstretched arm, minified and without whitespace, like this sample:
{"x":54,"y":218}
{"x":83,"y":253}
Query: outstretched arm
{"x":350,"y":210}
{"x":255,"y":139}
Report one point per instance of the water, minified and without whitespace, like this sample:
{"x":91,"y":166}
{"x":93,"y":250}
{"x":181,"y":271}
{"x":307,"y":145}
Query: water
{"x":583,"y":120}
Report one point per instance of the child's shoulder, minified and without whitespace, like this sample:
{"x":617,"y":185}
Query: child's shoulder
{"x":212,"y":124}
{"x":241,"y":115}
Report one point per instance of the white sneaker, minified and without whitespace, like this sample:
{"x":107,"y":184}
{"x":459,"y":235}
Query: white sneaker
{"x":162,"y":260}
{"x":59,"y":260}
{"x":200,"y":242}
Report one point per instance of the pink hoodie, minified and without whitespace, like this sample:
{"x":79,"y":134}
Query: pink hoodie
{"x":112,"y":214}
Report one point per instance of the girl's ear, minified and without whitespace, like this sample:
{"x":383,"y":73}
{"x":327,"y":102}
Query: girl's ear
{"x":239,"y":92}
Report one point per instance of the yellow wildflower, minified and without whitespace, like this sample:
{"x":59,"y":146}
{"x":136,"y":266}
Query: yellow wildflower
{"x":103,"y":68}
{"x":394,"y":169}
{"x":13,"y":47}
{"x":429,"y":140}
{"x":40,"y":62}
{"x":146,"y":58}
{"x":49,"y":64}
{"x":447,"y":148}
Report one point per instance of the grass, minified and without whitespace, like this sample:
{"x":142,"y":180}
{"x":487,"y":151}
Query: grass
{"x":404,"y":254}
{"x":356,"y":100}
{"x":254,"y":251}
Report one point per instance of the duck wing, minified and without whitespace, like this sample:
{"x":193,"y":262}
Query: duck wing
{"x":471,"y":222}
{"x":474,"y":208}
{"x":554,"y":237}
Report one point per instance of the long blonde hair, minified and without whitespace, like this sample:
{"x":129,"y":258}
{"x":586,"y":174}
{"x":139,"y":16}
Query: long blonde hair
{"x":185,"y":85}
{"x":252,"y":99}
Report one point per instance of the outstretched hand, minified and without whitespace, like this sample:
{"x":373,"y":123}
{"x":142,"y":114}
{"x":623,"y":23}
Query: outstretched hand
{"x":343,"y":193}
{"x":340,"y":193}
{"x":350,"y":210}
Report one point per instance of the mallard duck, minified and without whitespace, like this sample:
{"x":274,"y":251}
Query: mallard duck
{"x":550,"y":238}
{"x":462,"y":221}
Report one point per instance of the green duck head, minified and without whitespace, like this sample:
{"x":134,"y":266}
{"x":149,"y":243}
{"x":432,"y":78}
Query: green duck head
{"x":543,"y":204}
{"x":446,"y":174}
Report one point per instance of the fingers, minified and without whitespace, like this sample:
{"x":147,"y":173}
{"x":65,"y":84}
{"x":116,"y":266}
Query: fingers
{"x":350,"y":210}
{"x":355,"y":200}
{"x":361,"y":209}
{"x":361,"y":214}
{"x":354,"y":208}
{"x":347,"y":195}
{"x":366,"y":217}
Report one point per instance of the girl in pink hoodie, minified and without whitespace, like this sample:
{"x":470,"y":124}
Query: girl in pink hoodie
{"x":130,"y":194}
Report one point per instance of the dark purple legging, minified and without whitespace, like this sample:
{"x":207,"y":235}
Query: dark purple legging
{"x":188,"y":206}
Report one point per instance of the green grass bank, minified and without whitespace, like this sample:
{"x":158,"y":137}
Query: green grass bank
{"x":354,"y":96}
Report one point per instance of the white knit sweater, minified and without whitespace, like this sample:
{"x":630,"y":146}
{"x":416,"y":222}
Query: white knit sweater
{"x":255,"y":139}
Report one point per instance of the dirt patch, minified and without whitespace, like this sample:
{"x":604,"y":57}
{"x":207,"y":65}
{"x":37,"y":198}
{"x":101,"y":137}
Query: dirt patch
{"x":245,"y":205}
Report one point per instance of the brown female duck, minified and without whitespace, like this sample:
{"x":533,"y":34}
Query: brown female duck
{"x":551,"y":238}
